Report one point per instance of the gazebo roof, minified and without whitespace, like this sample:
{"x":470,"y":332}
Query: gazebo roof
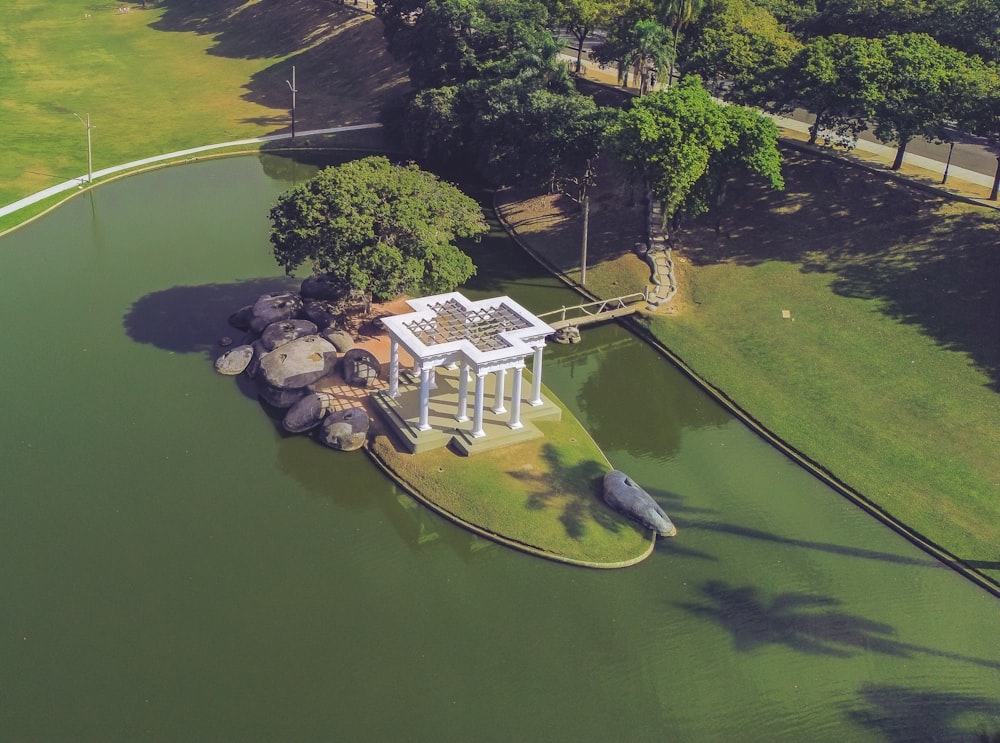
{"x":486,"y":332}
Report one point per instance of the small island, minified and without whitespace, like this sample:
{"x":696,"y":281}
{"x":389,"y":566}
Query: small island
{"x":378,"y":352}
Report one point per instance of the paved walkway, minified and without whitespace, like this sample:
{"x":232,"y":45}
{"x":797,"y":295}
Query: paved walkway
{"x":81,"y":181}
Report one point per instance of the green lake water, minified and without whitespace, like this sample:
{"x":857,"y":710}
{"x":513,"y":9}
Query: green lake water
{"x":174,"y":568}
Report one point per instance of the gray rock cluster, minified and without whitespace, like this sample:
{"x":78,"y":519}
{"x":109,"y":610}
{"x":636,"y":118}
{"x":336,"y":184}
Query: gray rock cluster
{"x":293,"y":343}
{"x":625,"y":496}
{"x":567,"y":334}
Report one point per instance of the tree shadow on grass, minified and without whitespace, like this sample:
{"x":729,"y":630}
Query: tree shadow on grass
{"x":901,"y":715}
{"x":805,"y":623}
{"x":241,"y":30}
{"x":343,"y":72}
{"x":929,"y":262}
{"x":191,"y":319}
{"x":574,"y":489}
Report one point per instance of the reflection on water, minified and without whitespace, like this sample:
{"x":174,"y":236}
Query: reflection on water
{"x":174,"y":567}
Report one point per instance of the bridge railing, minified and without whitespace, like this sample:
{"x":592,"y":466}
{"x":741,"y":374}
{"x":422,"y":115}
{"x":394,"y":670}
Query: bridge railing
{"x":590,"y":309}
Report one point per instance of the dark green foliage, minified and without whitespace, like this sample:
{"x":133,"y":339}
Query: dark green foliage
{"x":378,"y":227}
{"x":684,"y":145}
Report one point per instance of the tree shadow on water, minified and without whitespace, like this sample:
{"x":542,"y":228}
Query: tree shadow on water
{"x":806,"y":623}
{"x":191,"y":319}
{"x":900,"y":715}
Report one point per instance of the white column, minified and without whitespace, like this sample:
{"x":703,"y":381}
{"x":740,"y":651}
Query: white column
{"x":536,"y":378}
{"x":393,"y":368}
{"x":500,"y":375}
{"x":477,"y":409}
{"x":434,"y":379}
{"x":463,"y":394}
{"x":515,"y":399}
{"x":425,"y":378}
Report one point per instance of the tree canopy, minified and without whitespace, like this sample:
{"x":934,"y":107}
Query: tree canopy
{"x":684,"y":145}
{"x":378,"y":227}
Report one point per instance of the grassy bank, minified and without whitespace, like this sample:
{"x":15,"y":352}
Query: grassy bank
{"x":886,"y":371}
{"x":179,"y":74}
{"x":543,"y":494}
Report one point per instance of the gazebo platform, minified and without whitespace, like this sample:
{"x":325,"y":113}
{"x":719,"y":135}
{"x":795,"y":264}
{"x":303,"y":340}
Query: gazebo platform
{"x":402,"y":416}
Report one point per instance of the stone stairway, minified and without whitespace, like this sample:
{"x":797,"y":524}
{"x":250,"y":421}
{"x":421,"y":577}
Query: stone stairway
{"x":657,"y":254}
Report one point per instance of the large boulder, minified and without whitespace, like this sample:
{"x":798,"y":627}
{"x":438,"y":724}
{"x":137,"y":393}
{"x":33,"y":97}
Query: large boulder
{"x":271,"y":308}
{"x":241,"y":318}
{"x":360,"y":368}
{"x":340,"y":339}
{"x":306,"y":413}
{"x":279,"y":398}
{"x":299,"y":363}
{"x":623,"y":495}
{"x":325,"y":314}
{"x":345,"y":430}
{"x":253,"y":368}
{"x":279,"y":333}
{"x":234,"y":361}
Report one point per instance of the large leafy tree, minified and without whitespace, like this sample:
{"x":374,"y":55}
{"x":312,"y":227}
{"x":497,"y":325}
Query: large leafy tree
{"x":452,"y":41}
{"x":833,"y":77}
{"x":984,"y":114}
{"x":918,"y":90}
{"x":740,"y":43}
{"x":581,"y":18}
{"x":378,"y":227}
{"x":677,"y":138}
{"x":750,"y":144}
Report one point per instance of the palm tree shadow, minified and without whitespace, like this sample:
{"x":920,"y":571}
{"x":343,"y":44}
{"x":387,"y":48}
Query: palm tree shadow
{"x":575,"y":489}
{"x":898,"y":714}
{"x":808,"y":624}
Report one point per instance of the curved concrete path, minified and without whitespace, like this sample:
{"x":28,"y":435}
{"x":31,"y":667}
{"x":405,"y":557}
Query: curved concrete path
{"x":82,"y":180}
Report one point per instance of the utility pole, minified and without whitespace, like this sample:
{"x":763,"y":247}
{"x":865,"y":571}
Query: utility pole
{"x":90,"y":159}
{"x":583,"y":248}
{"x":294,"y":90}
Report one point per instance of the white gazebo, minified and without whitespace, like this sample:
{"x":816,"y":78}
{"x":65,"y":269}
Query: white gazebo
{"x":478,"y":339}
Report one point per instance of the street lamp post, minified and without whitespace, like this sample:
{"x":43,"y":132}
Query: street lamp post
{"x":90,"y":159}
{"x":294,"y":90}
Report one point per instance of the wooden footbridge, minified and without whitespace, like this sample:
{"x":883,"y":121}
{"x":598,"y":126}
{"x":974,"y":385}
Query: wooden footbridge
{"x":595,"y":312}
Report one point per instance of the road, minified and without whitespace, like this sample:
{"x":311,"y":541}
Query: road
{"x":972,"y":160}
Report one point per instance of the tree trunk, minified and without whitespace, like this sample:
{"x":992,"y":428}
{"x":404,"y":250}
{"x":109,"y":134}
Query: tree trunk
{"x":814,"y":129}
{"x":900,"y":151}
{"x":583,"y":246}
{"x":996,"y":182}
{"x":579,"y":53}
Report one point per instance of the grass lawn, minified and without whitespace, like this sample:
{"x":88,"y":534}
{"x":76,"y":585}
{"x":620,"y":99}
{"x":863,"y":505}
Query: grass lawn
{"x":179,"y":74}
{"x":544,"y":494}
{"x":887,"y":370}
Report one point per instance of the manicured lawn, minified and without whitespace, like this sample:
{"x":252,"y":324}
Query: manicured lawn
{"x":887,"y":371}
{"x":544,"y":494}
{"x":176,"y":75}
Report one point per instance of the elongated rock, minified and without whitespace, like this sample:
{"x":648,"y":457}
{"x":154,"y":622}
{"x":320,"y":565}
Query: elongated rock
{"x":271,"y":308}
{"x":625,"y":496}
{"x":279,"y":333}
{"x":307,"y":413}
{"x":234,"y":361}
{"x":345,"y":430}
{"x":299,"y":363}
